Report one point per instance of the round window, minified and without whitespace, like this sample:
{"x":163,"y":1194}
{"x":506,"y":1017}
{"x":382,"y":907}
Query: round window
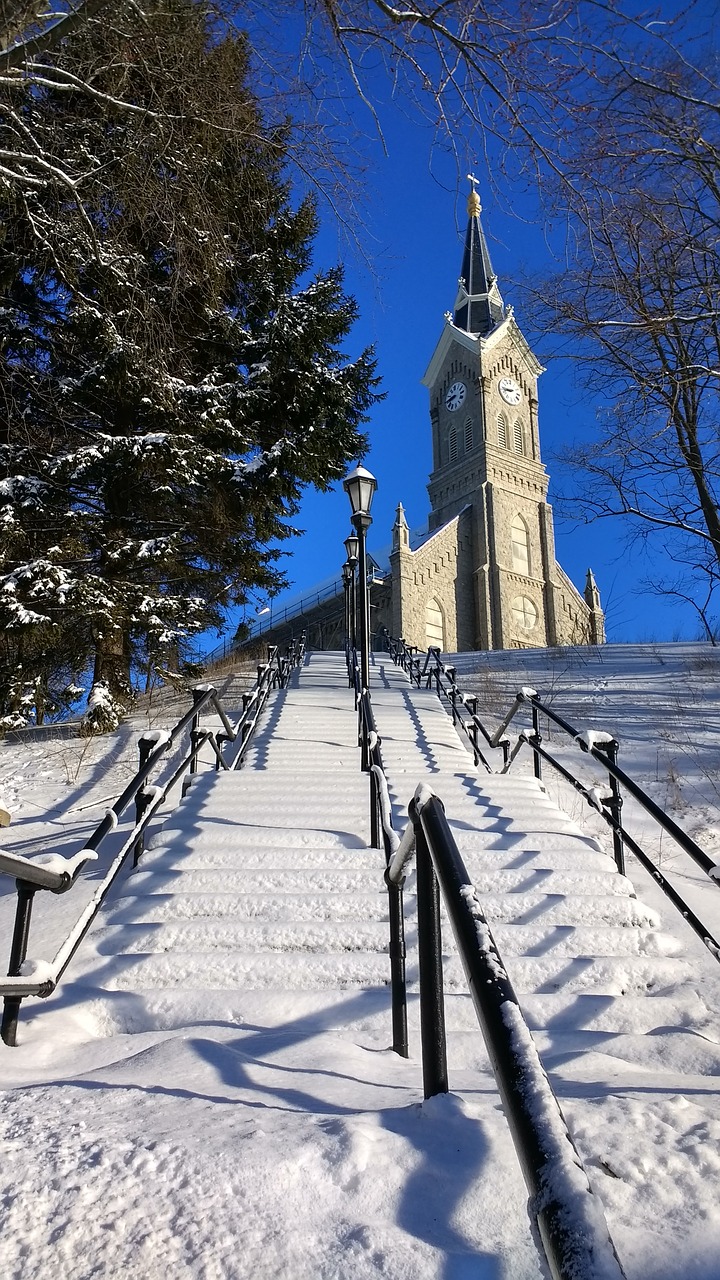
{"x":525,"y":613}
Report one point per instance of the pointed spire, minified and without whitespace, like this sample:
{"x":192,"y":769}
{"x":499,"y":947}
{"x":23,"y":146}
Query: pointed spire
{"x":478,"y":307}
{"x":592,"y":594}
{"x":597,"y":617}
{"x":400,"y":530}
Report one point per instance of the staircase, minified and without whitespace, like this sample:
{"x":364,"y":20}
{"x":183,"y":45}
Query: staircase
{"x":256,"y":922}
{"x":260,"y":894}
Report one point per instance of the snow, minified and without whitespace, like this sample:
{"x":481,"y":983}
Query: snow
{"x":37,"y":970}
{"x":591,"y":738}
{"x":61,"y":865}
{"x":156,"y":737}
{"x":247,"y":1118}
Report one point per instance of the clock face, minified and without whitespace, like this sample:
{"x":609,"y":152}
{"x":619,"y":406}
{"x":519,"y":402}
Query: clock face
{"x":455,"y":396}
{"x":509,"y":390}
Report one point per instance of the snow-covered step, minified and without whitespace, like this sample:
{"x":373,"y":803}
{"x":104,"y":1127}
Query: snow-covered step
{"x":243,"y":935}
{"x":578,"y":940}
{"x":610,"y":975}
{"x":561,"y":909}
{"x":247,"y":906}
{"x":206,"y":855}
{"x":243,"y":835}
{"x":219,"y":970}
{"x":311,"y":880}
{"x":564,"y":1011}
{"x":360,"y":1013}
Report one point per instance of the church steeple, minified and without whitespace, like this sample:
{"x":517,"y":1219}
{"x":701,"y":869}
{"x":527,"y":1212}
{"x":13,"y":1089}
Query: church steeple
{"x":478,"y":307}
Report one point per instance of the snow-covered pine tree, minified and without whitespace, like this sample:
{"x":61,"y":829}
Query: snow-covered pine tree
{"x":175,"y":374}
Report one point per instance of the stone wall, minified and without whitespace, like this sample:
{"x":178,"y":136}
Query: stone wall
{"x":438,"y":574}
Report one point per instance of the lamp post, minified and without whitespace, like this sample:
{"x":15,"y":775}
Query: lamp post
{"x":347,"y":577}
{"x":360,"y":486}
{"x":351,"y":551}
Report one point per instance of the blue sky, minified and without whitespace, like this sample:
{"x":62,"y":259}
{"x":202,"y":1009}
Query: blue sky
{"x":412,"y":229}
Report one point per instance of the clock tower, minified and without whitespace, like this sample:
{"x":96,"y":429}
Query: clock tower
{"x":488,"y":566}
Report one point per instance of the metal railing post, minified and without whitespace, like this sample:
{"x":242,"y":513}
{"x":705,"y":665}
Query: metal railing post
{"x":432,"y":1001}
{"x":537,"y":737}
{"x":198,"y":695}
{"x":375,"y":841}
{"x":142,"y":800}
{"x":398,"y":986}
{"x":614,"y":805}
{"x":18,"y":952}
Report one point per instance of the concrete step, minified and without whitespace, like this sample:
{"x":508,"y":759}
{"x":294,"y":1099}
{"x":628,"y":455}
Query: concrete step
{"x":208,"y":855}
{"x":360,"y":1012}
{"x":286,"y":971}
{"x":288,"y":935}
{"x":558,"y":909}
{"x":239,"y":935}
{"x":221,"y":970}
{"x":344,"y":878}
{"x":560,"y":1012}
{"x":158,"y":907}
{"x":224,"y":833}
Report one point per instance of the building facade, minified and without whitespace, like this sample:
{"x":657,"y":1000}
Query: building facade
{"x":486,"y":576}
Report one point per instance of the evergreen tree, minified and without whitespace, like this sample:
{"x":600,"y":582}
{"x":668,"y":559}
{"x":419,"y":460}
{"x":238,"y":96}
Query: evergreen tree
{"x":174,"y":374}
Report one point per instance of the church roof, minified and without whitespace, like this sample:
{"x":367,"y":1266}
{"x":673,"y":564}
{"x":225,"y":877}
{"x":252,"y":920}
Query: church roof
{"x":479,"y":307}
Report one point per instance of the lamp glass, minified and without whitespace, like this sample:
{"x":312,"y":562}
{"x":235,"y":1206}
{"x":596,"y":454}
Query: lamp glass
{"x":360,"y":486}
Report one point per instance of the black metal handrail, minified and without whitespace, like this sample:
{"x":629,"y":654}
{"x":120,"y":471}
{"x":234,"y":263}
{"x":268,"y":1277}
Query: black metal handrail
{"x":352,"y":659}
{"x":603,"y":748}
{"x":569,"y":1220}
{"x":277,"y":618}
{"x":58,"y":874}
{"x":463,"y":707}
{"x":383,"y":836}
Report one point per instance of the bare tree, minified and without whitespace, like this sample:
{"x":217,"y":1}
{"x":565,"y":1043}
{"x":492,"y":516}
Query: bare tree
{"x":640,"y":298}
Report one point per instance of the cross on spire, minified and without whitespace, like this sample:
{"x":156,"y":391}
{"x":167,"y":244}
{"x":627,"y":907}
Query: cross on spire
{"x":474,"y":207}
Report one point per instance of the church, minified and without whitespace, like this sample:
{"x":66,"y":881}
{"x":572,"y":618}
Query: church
{"x":485,"y":576}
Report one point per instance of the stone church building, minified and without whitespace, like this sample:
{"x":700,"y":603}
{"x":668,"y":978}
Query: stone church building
{"x":485,"y":576}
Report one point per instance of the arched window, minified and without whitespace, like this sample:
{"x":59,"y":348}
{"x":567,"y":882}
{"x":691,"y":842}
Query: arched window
{"x":518,"y":437}
{"x":525,"y":614}
{"x":434,"y":626}
{"x":502,"y":433}
{"x":520,"y":545}
{"x":452,"y":444}
{"x":468,"y":434}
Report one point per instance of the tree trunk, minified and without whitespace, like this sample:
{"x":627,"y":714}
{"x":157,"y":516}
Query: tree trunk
{"x":112,"y":664}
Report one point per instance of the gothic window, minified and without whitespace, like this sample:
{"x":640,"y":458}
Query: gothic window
{"x":502,"y":431}
{"x":452,"y":444}
{"x":468,"y":434}
{"x":434,"y":626}
{"x":525,"y":614}
{"x":518,"y":441}
{"x":520,"y":543}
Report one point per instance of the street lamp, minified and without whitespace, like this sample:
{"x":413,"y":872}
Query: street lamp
{"x":360,"y":487}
